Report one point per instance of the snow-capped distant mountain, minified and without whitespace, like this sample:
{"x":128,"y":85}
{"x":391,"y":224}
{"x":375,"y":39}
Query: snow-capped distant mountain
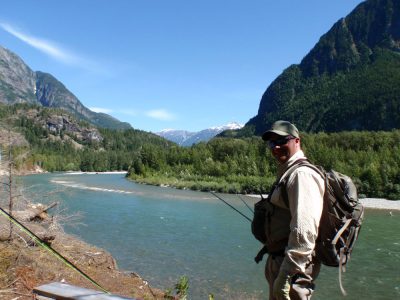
{"x":187,"y":138}
{"x":176,"y":136}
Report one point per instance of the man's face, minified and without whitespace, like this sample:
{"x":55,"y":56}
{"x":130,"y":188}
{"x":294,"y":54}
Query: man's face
{"x":283,"y":148}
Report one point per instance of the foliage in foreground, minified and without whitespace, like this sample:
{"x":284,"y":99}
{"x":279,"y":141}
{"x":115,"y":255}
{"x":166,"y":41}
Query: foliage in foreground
{"x":181,"y":290}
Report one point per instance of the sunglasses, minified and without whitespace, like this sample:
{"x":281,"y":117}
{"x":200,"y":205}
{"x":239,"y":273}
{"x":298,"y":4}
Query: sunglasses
{"x":279,"y":142}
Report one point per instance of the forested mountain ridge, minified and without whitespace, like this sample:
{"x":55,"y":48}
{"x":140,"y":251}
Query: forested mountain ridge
{"x":55,"y":140}
{"x":19,"y":84}
{"x":350,"y":80}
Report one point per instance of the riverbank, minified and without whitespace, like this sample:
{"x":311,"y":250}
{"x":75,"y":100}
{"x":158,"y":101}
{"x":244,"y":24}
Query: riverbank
{"x":377,"y":203}
{"x":373,"y":203}
{"x":26,"y":265}
{"x":95,"y":173}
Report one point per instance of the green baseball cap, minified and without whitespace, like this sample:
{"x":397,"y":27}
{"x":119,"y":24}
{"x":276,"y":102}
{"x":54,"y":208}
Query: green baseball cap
{"x":283,"y":128}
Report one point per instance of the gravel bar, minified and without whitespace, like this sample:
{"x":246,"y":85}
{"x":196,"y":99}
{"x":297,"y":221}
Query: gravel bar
{"x":381,"y":203}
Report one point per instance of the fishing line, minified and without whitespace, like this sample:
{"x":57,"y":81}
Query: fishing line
{"x":230,"y":206}
{"x":240,"y":197}
{"x":50,"y":249}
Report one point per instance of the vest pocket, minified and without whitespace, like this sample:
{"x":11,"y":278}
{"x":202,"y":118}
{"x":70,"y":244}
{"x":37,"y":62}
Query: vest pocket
{"x":277,"y":227}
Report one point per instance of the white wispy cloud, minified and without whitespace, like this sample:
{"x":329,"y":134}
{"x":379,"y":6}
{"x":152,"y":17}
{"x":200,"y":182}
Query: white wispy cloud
{"x":101,"y":110}
{"x":54,"y":51}
{"x":160,"y":114}
{"x":42,"y":45}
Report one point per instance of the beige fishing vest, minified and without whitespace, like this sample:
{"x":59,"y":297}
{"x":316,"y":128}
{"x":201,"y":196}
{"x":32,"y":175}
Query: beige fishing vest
{"x":277,"y":225}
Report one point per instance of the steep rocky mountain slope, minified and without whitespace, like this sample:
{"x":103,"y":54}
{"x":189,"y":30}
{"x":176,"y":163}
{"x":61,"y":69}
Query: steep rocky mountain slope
{"x":19,"y":84}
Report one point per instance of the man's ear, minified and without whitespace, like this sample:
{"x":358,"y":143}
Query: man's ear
{"x":297,"y":141}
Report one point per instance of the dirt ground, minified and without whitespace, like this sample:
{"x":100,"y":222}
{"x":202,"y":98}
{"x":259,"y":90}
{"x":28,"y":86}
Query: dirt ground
{"x":24,"y":265}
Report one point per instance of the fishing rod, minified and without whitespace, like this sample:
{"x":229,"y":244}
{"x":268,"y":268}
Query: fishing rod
{"x":39,"y":241}
{"x":231,"y":206}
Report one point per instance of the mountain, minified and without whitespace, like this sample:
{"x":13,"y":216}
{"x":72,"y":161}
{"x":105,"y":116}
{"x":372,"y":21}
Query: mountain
{"x":350,"y":80}
{"x":52,"y":139}
{"x":50,"y":124}
{"x":19,"y":84}
{"x":187,"y":138}
{"x":176,"y":136}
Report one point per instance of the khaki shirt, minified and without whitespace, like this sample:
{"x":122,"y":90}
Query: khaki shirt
{"x":305,"y":190}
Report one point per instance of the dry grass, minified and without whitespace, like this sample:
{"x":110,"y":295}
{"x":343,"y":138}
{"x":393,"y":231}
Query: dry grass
{"x":24,"y":266}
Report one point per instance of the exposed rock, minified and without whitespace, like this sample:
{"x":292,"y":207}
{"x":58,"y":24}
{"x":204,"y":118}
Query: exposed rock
{"x":19,"y":84}
{"x":17,"y":80}
{"x":57,"y":123}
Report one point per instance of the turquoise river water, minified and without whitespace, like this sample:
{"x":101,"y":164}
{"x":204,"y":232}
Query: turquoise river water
{"x":163,"y":233}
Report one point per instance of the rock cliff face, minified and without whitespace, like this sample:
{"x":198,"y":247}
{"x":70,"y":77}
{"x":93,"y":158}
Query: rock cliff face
{"x":55,"y":123}
{"x":19,"y":84}
{"x":349,"y":81}
{"x":59,"y":123}
{"x":17,"y":80}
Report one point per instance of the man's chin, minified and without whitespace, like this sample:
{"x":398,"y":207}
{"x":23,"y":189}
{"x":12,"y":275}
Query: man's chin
{"x":281,"y":159}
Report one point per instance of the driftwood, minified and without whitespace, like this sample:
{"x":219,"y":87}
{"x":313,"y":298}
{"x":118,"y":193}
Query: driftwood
{"x":32,"y":217}
{"x":40,"y":213}
{"x":35,"y":213}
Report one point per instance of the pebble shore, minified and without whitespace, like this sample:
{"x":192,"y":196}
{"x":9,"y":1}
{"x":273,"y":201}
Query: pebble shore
{"x":381,"y":203}
{"x":376,"y":203}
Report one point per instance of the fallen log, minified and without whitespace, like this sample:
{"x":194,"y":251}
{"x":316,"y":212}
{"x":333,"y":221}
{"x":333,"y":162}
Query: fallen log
{"x":40,"y":213}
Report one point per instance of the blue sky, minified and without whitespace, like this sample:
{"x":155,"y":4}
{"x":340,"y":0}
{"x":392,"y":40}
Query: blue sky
{"x":158,"y":64}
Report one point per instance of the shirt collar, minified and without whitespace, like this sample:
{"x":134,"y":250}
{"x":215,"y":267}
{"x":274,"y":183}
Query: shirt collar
{"x":283,"y":167}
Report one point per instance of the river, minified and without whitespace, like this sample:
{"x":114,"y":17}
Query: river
{"x":163,"y":233}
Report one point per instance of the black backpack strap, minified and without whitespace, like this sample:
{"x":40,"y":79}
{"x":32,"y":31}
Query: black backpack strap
{"x":264,"y":250}
{"x":260,"y":254}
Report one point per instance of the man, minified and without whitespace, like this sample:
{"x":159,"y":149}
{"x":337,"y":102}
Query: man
{"x":295,"y":211}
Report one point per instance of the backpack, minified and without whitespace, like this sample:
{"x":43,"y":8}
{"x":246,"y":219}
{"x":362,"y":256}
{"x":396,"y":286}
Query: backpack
{"x":340,"y":223}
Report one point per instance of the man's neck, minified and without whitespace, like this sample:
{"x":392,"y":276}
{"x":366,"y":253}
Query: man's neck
{"x":283,"y":166}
